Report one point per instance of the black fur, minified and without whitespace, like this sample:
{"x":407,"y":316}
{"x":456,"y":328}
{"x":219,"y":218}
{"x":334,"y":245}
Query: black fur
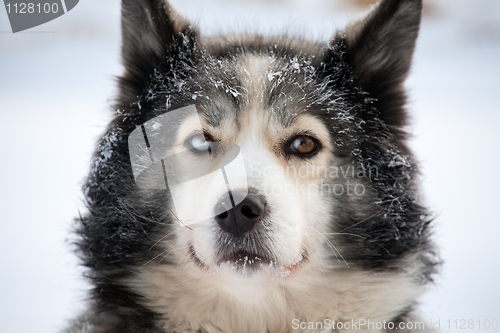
{"x":380,"y":52}
{"x":366,"y":65}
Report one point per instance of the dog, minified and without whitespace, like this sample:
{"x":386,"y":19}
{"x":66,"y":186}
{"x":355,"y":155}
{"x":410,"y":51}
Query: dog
{"x":286,"y":200}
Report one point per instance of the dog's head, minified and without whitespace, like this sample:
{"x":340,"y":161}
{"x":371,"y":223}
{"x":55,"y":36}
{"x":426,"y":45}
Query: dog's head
{"x":327,"y":178}
{"x":302,"y":115}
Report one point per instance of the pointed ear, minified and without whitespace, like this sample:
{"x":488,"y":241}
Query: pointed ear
{"x":379,"y":50}
{"x":151,"y":32}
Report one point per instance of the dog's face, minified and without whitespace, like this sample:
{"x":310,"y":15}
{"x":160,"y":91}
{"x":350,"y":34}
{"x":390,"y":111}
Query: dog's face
{"x":322,"y":195}
{"x":286,"y":148}
{"x":298,"y":112}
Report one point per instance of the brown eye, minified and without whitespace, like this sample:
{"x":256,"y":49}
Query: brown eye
{"x":303,"y":145}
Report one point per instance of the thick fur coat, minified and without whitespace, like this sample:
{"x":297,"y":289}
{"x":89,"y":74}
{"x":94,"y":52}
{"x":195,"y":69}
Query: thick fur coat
{"x":363,"y":253}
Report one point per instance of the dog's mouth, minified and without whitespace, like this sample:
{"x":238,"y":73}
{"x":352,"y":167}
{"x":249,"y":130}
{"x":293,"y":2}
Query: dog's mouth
{"x":242,"y":260}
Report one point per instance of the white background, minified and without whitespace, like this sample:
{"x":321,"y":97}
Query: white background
{"x":56,"y":92}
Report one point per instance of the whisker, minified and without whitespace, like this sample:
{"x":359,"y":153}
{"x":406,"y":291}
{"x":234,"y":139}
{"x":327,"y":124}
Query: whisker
{"x":158,"y":241}
{"x":161,"y":253}
{"x":184,"y":260}
{"x":341,"y":233}
{"x":319,"y":260}
{"x":134,"y":213}
{"x":363,"y":220}
{"x":171,"y":249}
{"x":179,"y":220}
{"x":133,"y":217}
{"x":332,"y":247}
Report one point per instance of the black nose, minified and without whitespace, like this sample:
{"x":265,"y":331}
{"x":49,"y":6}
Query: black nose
{"x":243,"y":216}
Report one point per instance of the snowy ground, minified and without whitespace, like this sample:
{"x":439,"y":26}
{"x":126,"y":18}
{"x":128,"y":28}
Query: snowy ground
{"x":56,"y":85}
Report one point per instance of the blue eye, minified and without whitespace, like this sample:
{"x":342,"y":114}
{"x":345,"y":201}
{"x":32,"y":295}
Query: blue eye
{"x":198,"y":143}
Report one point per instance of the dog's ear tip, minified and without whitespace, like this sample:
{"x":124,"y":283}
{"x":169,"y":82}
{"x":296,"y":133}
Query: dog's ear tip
{"x":379,"y":49}
{"x":151,"y":24}
{"x":393,"y":3}
{"x":152,"y":31}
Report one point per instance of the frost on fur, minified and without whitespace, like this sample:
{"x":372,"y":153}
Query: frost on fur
{"x":311,"y":257}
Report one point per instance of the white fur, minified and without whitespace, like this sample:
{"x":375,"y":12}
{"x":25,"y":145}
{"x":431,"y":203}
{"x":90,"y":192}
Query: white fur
{"x":220,"y":298}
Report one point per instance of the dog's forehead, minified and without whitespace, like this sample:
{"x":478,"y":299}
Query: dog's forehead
{"x":232,"y":88}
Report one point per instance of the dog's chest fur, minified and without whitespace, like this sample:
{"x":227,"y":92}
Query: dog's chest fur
{"x":209,"y":303}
